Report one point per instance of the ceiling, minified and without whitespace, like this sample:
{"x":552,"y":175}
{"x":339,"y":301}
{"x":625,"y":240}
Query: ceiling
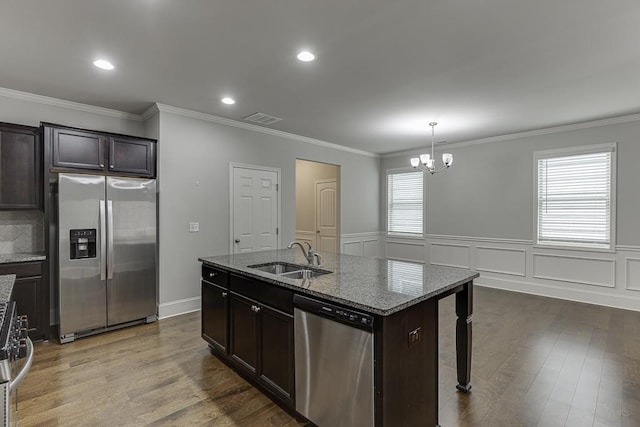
{"x":384,"y":69}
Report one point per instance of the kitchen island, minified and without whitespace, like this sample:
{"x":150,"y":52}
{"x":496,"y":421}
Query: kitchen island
{"x":247,"y":319}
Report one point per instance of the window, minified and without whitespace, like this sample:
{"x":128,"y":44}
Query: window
{"x":576,"y":197}
{"x":405,"y":202}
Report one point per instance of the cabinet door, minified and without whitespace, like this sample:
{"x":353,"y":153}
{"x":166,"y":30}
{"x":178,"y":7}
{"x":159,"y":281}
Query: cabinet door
{"x":131,"y":155}
{"x":276,"y":366}
{"x":214,"y":315}
{"x":78,"y":149}
{"x":27,"y":293}
{"x":243,"y":346}
{"x":20,"y":168}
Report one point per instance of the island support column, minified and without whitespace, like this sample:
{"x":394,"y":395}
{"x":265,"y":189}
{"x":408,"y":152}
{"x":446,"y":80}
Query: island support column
{"x":464,"y":309}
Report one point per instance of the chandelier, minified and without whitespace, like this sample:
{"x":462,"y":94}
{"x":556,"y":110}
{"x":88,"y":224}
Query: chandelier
{"x":427,"y":162}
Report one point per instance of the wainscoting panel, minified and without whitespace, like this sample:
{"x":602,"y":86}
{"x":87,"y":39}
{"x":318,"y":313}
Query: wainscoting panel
{"x":449,"y":255}
{"x":633,"y":274}
{"x":604,"y":278}
{"x":362,"y":244}
{"x":587,"y":271}
{"x":408,"y":251}
{"x":352,"y":248}
{"x":371,"y":248}
{"x":501,"y":260}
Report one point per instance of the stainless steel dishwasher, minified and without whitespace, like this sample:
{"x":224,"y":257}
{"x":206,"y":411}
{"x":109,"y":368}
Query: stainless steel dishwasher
{"x":333,"y":364}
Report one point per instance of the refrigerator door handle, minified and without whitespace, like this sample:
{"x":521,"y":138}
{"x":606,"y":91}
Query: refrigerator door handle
{"x":103,"y":242}
{"x":110,"y":265}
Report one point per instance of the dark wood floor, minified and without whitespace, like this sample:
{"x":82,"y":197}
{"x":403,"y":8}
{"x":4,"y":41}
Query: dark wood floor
{"x":536,"y":362}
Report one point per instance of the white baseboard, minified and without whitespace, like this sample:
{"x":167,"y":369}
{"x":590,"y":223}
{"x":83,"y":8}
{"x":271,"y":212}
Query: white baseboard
{"x":176,"y":308}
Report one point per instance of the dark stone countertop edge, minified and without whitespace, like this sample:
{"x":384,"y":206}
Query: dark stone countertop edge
{"x":346,"y":302}
{"x":21,"y":257}
{"x":6,"y":287}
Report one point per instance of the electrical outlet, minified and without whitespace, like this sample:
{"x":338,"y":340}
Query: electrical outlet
{"x":414,"y":336}
{"x":194,"y":227}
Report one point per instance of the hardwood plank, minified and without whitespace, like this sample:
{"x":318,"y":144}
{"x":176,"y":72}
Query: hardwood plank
{"x":536,"y":361}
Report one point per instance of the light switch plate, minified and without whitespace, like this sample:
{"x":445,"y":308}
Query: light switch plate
{"x":194,"y":227}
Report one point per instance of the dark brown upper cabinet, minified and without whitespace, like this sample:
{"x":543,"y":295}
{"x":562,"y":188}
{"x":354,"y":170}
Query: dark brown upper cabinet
{"x":97,"y":151}
{"x":78,"y":149}
{"x":20,"y":167}
{"x":131,"y":155}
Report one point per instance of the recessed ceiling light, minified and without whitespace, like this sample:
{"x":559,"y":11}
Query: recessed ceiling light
{"x":228,"y":101}
{"x":306,"y":56}
{"x":104,"y":64}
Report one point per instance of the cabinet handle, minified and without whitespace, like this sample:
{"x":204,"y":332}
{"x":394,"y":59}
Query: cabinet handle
{"x":212,"y":274}
{"x":257,"y":309}
{"x":224,"y":295}
{"x":101,"y":165}
{"x":111,"y":166}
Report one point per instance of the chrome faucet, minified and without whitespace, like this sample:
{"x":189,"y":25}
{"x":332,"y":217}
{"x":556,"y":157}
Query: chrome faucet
{"x":309,"y":253}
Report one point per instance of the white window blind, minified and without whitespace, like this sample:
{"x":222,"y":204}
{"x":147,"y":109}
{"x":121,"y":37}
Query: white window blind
{"x":574,"y":199}
{"x":404,"y":202}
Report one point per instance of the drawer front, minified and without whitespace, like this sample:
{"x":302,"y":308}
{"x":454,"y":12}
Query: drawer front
{"x":265,"y":293}
{"x":215,"y":275}
{"x":22,"y":269}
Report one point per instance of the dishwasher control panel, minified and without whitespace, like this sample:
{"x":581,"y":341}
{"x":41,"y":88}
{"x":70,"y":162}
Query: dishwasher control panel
{"x":337,"y":313}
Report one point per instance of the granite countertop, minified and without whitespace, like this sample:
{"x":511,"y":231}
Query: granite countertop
{"x":22,"y":257}
{"x":6,"y":286}
{"x":374,"y":285}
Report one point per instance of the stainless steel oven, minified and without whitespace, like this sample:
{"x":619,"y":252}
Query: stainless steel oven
{"x":16,"y":356}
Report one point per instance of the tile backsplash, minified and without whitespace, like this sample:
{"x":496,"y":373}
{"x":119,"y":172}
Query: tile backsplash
{"x":21,"y":231}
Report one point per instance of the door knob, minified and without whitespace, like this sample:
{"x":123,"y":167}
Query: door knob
{"x":237,"y":240}
{"x":318,"y":231}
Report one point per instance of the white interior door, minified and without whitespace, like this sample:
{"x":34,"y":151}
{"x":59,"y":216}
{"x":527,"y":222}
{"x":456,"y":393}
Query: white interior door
{"x":326,"y":215}
{"x":255,"y":209}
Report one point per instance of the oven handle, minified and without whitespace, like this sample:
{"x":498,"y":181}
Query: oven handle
{"x":25,"y":368}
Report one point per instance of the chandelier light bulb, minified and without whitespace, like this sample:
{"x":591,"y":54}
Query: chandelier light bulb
{"x":415,"y":162}
{"x":424,"y":158}
{"x":447,"y":159}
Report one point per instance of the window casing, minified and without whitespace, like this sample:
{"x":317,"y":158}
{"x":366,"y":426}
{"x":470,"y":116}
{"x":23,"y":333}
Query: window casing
{"x":575,"y":197}
{"x":405,"y":203}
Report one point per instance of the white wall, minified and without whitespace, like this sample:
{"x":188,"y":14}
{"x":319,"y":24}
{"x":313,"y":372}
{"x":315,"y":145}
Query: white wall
{"x":479,"y":215}
{"x":194,"y":158}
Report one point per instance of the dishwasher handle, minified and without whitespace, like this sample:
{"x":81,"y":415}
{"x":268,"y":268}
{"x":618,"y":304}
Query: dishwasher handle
{"x":334,"y":312}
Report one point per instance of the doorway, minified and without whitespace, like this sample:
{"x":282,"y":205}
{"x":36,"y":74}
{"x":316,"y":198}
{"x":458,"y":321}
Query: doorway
{"x":318,"y":204}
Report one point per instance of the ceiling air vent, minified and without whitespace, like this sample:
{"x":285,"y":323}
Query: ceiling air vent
{"x":261,"y":118}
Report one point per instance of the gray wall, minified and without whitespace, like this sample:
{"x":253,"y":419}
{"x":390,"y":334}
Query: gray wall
{"x":488,"y":192}
{"x":194,"y":157}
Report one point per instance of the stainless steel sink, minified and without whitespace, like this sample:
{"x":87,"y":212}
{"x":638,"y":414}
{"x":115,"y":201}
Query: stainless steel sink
{"x":277,"y":267}
{"x":304,"y":274}
{"x":290,"y":271}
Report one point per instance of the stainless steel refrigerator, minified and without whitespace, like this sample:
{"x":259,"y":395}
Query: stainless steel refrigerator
{"x":106,"y":253}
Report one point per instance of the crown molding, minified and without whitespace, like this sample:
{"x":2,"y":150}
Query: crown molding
{"x":235,"y":123}
{"x":526,"y":134}
{"x":150,"y":112}
{"x":70,"y":105}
